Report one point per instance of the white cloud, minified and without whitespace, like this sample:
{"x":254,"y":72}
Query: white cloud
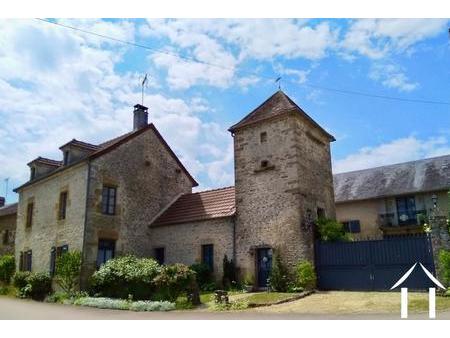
{"x":56,"y":85}
{"x":392,"y":76}
{"x":377,"y":38}
{"x":396,"y":151}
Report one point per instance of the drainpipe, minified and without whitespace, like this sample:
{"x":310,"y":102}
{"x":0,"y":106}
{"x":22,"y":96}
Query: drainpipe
{"x":83,"y":251}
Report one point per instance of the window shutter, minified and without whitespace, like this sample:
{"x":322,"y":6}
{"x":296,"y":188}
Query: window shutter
{"x":52,"y":261}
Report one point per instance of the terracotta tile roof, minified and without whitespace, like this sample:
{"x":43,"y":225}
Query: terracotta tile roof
{"x":276,"y":105}
{"x":9,"y":209}
{"x":47,"y":161}
{"x":199,"y":206}
{"x":430,"y":174}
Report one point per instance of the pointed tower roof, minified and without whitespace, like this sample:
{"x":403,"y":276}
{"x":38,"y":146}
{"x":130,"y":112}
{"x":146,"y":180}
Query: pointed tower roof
{"x":276,"y":105}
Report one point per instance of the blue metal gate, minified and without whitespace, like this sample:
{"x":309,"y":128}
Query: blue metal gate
{"x":374,"y":264}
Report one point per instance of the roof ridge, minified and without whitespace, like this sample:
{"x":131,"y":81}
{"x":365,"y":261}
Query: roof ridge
{"x":393,"y":164}
{"x":211,"y":190}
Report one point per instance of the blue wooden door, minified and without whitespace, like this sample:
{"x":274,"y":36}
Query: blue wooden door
{"x":264,"y":263}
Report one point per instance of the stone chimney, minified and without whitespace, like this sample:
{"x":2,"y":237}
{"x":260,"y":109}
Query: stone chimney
{"x":2,"y":201}
{"x":140,"y":119}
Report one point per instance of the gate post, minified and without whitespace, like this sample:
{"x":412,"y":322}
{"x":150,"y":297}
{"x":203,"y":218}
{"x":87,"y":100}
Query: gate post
{"x":440,"y":237}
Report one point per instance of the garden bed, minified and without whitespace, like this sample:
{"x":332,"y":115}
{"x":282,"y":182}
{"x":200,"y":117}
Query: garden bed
{"x":272,"y":298}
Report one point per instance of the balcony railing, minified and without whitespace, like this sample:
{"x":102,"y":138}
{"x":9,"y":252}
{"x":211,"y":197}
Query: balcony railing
{"x":390,"y":219}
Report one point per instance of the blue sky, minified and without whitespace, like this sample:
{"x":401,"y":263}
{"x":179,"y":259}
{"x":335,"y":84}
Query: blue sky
{"x":57,"y":84}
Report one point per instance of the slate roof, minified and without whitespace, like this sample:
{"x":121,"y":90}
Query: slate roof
{"x":199,"y":206}
{"x":109,"y":145}
{"x":47,"y":161}
{"x":431,"y":174}
{"x":276,"y":105}
{"x":9,"y":209}
{"x":81,"y":144}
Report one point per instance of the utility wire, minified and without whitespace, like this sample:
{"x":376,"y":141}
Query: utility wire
{"x":191,"y":59}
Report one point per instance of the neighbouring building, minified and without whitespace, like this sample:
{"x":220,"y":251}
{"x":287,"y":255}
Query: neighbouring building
{"x":132,"y":195}
{"x":98,"y":199}
{"x":8,"y":214}
{"x":393,"y":199}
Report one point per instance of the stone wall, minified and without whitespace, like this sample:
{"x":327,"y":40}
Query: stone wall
{"x":182,"y":242}
{"x":7,"y":233}
{"x":276,"y":204}
{"x":147,"y":179}
{"x":47,"y":230}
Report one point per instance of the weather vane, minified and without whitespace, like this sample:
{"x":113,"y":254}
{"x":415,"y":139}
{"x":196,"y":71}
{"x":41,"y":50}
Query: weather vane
{"x":278,"y":80}
{"x":143,"y":85}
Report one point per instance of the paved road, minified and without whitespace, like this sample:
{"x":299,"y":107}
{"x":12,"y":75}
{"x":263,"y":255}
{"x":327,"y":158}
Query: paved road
{"x":11,"y":308}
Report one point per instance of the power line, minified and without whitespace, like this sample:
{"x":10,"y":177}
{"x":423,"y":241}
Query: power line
{"x":191,"y":59}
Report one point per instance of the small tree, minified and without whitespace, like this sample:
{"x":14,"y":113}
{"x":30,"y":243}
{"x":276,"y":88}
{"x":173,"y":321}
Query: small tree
{"x":7,"y":268}
{"x":68,"y":268}
{"x":279,"y":278}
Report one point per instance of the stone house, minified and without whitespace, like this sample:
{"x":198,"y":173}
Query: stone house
{"x":8,"y":215}
{"x":391,"y":200}
{"x":132,"y":195}
{"x":98,"y":199}
{"x":283,"y":182}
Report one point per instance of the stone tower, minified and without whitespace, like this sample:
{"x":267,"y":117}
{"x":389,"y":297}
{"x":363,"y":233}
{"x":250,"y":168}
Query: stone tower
{"x":283,"y":182}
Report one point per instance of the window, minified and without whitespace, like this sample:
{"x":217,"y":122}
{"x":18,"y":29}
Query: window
{"x":32,"y":173}
{"x":5,"y":237}
{"x":208,"y":256}
{"x":263,"y":137}
{"x":406,"y":210}
{"x":62,"y":205}
{"x":106,"y":249}
{"x":159,"y":255}
{"x":55,"y":253}
{"x":66,"y":157}
{"x":109,"y":200}
{"x":25,"y":260}
{"x":320,"y":213}
{"x":264,"y":164}
{"x":29,"y":222}
{"x":352,"y":226}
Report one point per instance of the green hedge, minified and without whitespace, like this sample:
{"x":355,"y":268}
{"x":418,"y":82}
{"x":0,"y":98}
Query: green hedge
{"x":33,"y":285}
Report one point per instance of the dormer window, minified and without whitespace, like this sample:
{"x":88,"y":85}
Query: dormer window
{"x":32,"y":173}
{"x":66,"y":157}
{"x":263,"y":137}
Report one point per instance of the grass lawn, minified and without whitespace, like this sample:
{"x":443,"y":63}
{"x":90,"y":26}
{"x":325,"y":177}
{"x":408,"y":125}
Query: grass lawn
{"x":341,"y":302}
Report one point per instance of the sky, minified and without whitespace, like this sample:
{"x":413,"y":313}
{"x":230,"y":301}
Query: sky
{"x":57,"y":84}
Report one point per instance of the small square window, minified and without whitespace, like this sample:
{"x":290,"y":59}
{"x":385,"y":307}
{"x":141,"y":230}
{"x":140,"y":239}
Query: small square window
{"x":264,"y":164}
{"x":263,"y":137}
{"x":353,"y":226}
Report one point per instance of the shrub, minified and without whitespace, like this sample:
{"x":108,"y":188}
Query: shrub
{"x":57,"y":297}
{"x":68,"y":268}
{"x":124,"y":276}
{"x":279,"y":278}
{"x":19,"y":279}
{"x":39,"y":285}
{"x":173,"y":280}
{"x":332,"y":231}
{"x":103,"y":303}
{"x":229,"y":273}
{"x":203,"y":276}
{"x":7,"y":268}
{"x":444,"y":266}
{"x":306,"y":276}
{"x":152,"y":306}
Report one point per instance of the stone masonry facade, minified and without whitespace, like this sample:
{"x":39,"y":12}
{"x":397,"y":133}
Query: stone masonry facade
{"x":283,"y":182}
{"x":277,"y":200}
